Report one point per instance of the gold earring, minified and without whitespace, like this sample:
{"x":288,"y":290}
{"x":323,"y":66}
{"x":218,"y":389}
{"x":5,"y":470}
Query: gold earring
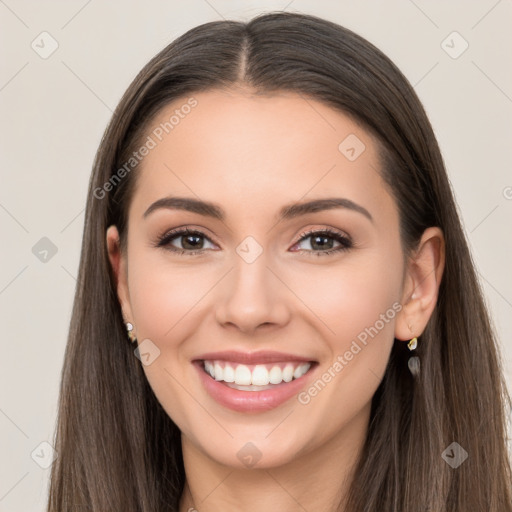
{"x":414,"y":342}
{"x":131,"y":336}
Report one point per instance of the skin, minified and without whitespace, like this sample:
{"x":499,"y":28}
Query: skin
{"x":253,"y":154}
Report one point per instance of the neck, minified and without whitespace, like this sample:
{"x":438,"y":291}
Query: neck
{"x":317,"y":479}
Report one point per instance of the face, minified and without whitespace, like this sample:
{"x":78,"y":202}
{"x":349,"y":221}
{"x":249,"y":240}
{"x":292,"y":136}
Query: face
{"x":316,"y":289}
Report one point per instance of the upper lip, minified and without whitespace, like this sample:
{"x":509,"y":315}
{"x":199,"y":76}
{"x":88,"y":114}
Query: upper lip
{"x":261,"y":357}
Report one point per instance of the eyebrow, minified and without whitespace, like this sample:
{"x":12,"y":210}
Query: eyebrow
{"x":290,"y":211}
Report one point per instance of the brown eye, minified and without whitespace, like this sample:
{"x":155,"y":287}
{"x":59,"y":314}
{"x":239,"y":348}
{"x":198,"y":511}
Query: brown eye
{"x":192,"y":242}
{"x":323,"y":242}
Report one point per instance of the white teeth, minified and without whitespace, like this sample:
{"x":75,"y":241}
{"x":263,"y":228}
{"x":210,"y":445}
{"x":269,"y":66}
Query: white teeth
{"x":275,"y":375}
{"x":209,"y":368}
{"x":229,"y":374}
{"x":299,"y":371}
{"x":288,"y":373}
{"x":252,"y":387}
{"x":242,"y":375}
{"x":261,"y":375}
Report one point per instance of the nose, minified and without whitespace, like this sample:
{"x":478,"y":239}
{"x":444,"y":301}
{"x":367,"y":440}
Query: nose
{"x":253,"y":297}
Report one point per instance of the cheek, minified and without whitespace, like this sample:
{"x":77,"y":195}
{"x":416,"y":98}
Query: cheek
{"x":167,"y":302}
{"x":352,"y":296}
{"x":358,"y":321}
{"x":164,"y":296}
{"x":356,"y":306}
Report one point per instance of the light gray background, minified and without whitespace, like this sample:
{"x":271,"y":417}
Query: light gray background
{"x":54,"y":111}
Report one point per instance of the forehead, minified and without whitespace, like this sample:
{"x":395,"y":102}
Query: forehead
{"x":236,"y":146}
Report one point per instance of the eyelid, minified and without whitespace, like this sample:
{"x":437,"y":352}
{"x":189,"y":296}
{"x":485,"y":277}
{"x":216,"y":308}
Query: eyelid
{"x":328,"y":230}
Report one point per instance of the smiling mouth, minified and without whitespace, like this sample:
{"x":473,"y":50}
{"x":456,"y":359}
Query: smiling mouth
{"x":258,"y":377}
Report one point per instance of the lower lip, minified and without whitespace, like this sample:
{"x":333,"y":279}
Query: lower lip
{"x":251,"y":401}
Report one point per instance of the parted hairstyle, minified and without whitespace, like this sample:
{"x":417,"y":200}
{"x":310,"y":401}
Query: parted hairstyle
{"x":118,"y":450}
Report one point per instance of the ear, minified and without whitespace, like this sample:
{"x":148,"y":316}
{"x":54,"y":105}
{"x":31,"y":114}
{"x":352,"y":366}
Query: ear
{"x":119,"y":269}
{"x":421,"y":285}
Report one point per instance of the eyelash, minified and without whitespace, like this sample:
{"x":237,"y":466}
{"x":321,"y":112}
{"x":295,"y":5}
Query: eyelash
{"x":346,"y":242}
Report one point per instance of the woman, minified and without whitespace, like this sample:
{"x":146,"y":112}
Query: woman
{"x":270,"y":224}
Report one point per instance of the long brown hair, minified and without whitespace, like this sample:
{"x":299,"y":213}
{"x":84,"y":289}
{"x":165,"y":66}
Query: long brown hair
{"x":117,"y":448}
